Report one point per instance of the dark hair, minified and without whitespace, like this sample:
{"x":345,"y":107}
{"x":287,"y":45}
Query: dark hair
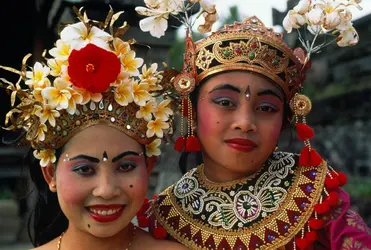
{"x":183,"y":160}
{"x":47,"y":220}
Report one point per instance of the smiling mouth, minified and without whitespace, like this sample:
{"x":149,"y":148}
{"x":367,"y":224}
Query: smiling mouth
{"x":104,"y":212}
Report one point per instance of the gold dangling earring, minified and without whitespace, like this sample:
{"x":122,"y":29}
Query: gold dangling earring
{"x":276,"y":148}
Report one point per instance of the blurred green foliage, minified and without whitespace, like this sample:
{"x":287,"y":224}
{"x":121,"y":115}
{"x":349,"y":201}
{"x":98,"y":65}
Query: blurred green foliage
{"x":358,"y":187}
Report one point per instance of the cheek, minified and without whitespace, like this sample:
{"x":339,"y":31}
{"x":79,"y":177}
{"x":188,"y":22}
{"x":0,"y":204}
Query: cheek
{"x":208,"y":120}
{"x":274,"y":131}
{"x":71,"y":190}
{"x":136,"y":188}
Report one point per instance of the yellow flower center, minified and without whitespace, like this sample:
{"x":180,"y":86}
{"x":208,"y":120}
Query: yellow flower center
{"x":65,"y":50}
{"x":90,"y":68}
{"x":39,"y":75}
{"x":329,"y":9}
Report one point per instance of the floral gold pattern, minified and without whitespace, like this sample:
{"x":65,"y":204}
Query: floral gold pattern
{"x":351,"y":244}
{"x":258,"y":212}
{"x":250,"y":46}
{"x":301,"y":105}
{"x":354,"y":220}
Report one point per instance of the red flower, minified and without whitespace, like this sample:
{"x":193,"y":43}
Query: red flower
{"x":93,"y":68}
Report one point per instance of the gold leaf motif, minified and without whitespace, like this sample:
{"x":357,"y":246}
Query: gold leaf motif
{"x":108,"y":17}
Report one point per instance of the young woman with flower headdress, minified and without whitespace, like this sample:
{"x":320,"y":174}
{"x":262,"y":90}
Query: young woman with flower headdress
{"x":95,"y":125}
{"x":244,"y":84}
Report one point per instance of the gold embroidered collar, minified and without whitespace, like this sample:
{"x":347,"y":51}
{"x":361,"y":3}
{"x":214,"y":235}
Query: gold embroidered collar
{"x":264,"y":210}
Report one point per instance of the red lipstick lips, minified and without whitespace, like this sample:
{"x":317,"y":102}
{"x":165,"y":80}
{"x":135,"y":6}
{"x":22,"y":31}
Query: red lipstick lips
{"x":105,"y":213}
{"x":241,"y":144}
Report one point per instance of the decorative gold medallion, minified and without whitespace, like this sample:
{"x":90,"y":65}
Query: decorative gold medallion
{"x":300,"y":105}
{"x":184,"y":84}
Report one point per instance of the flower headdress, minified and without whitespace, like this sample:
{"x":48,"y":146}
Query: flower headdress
{"x":92,"y":78}
{"x":158,"y":13}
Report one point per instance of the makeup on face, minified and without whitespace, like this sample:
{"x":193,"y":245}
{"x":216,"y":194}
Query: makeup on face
{"x":225,"y":95}
{"x":104,"y":158}
{"x":83,"y":167}
{"x":229,"y":95}
{"x":106,"y":212}
{"x":248,"y":93}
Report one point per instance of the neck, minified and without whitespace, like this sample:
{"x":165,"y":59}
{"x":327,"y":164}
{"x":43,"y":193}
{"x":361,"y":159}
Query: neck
{"x":77,"y":239}
{"x":218,"y":173}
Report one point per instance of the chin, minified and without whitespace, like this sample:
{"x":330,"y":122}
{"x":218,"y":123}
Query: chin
{"x":105,"y":232}
{"x":109,"y":229}
{"x":242,"y":166}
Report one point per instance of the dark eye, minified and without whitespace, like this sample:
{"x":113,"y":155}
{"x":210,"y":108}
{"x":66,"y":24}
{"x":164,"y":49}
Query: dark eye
{"x":224,"y":102}
{"x":127,"y":166}
{"x":266,"y":109}
{"x":84,"y":170}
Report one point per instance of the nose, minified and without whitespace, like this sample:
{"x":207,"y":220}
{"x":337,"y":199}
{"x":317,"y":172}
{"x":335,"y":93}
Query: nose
{"x":107,"y":186}
{"x":244,"y":119}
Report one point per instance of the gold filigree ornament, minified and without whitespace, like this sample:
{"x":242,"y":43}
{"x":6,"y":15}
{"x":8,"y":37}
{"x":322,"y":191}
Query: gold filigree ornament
{"x":93,"y":77}
{"x":301,"y":105}
{"x":184,"y":84}
{"x":253,"y":47}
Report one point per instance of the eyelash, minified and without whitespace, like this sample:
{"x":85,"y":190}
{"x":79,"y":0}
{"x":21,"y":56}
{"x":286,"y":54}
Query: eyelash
{"x":87,"y":170}
{"x":132,"y":165}
{"x":272,"y":109}
{"x":79,"y":169}
{"x":219,"y":101}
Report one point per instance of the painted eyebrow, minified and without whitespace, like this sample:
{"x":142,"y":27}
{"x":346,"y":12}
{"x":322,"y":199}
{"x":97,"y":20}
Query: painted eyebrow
{"x":118,"y":157}
{"x":226,"y":86}
{"x":269,"y":92}
{"x":86,"y":157}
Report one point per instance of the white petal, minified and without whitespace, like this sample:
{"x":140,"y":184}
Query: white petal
{"x":150,"y":133}
{"x":160,"y":133}
{"x":73,"y":32}
{"x":96,"y":32}
{"x":302,"y":7}
{"x":332,"y":20}
{"x":101,"y":43}
{"x":44,"y":162}
{"x":156,"y":25}
{"x":315,"y":16}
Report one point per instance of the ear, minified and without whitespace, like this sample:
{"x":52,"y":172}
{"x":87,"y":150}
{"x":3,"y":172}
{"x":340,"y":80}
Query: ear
{"x":150,"y":161}
{"x":49,"y":176}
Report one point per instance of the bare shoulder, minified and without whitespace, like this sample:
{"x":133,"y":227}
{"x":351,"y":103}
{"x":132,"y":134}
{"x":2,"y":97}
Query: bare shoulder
{"x":145,"y":241}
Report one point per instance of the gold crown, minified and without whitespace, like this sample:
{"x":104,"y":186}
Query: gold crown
{"x":251,"y":46}
{"x":93,"y":78}
{"x":107,"y":112}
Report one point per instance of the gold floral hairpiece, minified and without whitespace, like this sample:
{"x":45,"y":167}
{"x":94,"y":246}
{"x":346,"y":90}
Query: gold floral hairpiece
{"x":92,"y":78}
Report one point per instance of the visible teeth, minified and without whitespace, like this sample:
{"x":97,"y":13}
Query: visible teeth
{"x":104,"y":212}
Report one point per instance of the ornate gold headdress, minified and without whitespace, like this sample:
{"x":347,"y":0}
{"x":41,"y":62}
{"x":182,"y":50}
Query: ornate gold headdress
{"x":93,"y":78}
{"x":250,"y":46}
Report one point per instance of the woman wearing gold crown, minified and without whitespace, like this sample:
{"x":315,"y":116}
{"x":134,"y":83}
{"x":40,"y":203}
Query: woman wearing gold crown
{"x":95,"y":126}
{"x":244,"y":83}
